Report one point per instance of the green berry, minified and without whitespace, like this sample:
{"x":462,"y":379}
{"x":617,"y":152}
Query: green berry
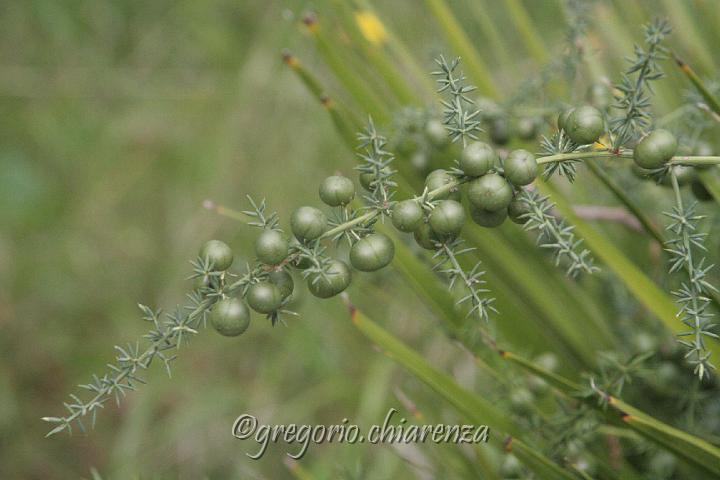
{"x":527,"y":127}
{"x":367,"y":178}
{"x":420,"y":161}
{"x":407,"y":215}
{"x":439,"y":178}
{"x":517,"y":210}
{"x":230,"y":317}
{"x":337,"y":190}
{"x":477,"y":159}
{"x":490,"y":192}
{"x":585,"y":125}
{"x":283,"y":281}
{"x":372,"y":252}
{"x":563,"y":118}
{"x":447,"y":219}
{"x":488,"y":219}
{"x":488,"y":107}
{"x":271,"y":247}
{"x":425,"y":237}
{"x":264,"y":297}
{"x":308,"y":223}
{"x":655,"y":149}
{"x":520,"y":167}
{"x":598,"y":95}
{"x":499,"y":130}
{"x":436,"y":133}
{"x":336,"y":279}
{"x":218,"y":254}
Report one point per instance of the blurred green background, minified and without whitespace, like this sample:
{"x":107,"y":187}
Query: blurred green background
{"x":118,"y":119}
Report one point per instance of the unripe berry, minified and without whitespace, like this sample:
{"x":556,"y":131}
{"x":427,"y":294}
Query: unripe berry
{"x":490,"y":192}
{"x":447,"y":219}
{"x":336,"y":279}
{"x":337,"y":190}
{"x":585,"y":125}
{"x":520,"y":167}
{"x":271,"y":247}
{"x":372,"y":252}
{"x":488,"y":219}
{"x":655,"y":149}
{"x":264,"y":297}
{"x":407,"y":215}
{"x":439,"y":178}
{"x":308,"y":223}
{"x":477,"y":159}
{"x":218,"y":254}
{"x":230,"y":317}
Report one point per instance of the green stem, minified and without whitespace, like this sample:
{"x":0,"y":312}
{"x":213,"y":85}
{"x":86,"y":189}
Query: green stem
{"x":678,"y":160}
{"x":374,"y":213}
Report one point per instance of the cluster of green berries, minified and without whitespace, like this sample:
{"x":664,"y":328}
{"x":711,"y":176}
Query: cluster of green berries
{"x":491,"y":191}
{"x":231,"y":316}
{"x":502,"y":126}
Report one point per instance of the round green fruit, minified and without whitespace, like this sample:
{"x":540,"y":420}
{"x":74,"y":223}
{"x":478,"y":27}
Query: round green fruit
{"x":563,"y":118}
{"x":598,"y":95}
{"x":447,"y":219}
{"x":425,"y":237}
{"x":490,"y":192}
{"x":407,"y":215}
{"x":520,"y":167}
{"x":367,"y":178}
{"x":264,"y":297}
{"x":372,"y":252}
{"x":218,"y":254}
{"x":436,"y":133}
{"x":518,"y":211}
{"x":337,"y":190}
{"x":488,"y":219}
{"x":585,"y":125}
{"x":283,"y":281}
{"x":337,"y":278}
{"x":477,"y":159}
{"x":271,"y":247}
{"x":230,"y":317}
{"x":499,"y":130}
{"x":439,"y":178}
{"x":527,"y":127}
{"x":655,"y":149}
{"x":308,"y":223}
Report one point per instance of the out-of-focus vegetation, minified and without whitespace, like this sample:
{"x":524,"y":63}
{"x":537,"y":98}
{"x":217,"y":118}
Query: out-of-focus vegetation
{"x":120,"y":118}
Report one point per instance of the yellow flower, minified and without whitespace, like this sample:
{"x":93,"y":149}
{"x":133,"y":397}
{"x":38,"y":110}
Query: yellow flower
{"x":370,"y":26}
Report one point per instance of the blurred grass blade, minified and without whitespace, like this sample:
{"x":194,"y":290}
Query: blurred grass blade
{"x":521,"y":19}
{"x":645,"y":290}
{"x":471,"y":406}
{"x":559,"y":382}
{"x":712,"y":102}
{"x":474,"y":66}
{"x":536,"y":462}
{"x":629,"y":203}
{"x":366,"y":99}
{"x":692,"y":449}
{"x":366,"y":31}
